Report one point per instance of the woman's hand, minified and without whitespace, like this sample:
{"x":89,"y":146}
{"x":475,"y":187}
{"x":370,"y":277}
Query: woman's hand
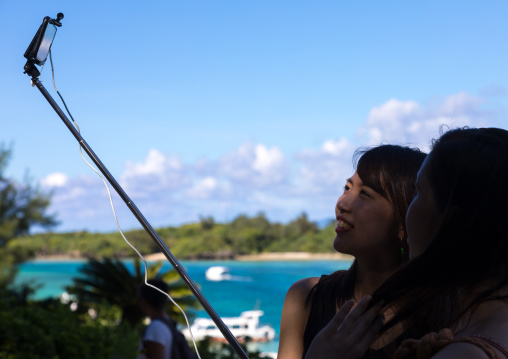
{"x":350,"y":332}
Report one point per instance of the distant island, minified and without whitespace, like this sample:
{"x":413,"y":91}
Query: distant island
{"x":244,"y":238}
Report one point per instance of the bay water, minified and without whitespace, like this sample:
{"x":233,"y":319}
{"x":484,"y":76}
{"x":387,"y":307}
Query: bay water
{"x":253,"y":284}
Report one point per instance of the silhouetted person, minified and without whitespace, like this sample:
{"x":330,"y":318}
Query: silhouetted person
{"x":157,"y":339}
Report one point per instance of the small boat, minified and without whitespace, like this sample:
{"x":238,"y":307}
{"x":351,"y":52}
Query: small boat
{"x":217,"y":273}
{"x":244,"y":326}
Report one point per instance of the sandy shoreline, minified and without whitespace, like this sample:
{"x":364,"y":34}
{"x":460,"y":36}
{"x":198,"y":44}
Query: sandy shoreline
{"x":273,"y":256}
{"x":278,"y":256}
{"x":293,"y":256}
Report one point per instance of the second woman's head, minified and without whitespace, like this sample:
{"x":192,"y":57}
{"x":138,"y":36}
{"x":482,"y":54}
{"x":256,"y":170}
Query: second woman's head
{"x":371,"y":211}
{"x":460,"y":215}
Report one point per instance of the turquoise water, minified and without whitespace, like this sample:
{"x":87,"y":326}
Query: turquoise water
{"x":262,"y":284}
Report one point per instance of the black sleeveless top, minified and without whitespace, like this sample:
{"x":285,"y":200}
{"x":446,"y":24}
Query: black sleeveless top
{"x":321,"y":312}
{"x":323,"y":307}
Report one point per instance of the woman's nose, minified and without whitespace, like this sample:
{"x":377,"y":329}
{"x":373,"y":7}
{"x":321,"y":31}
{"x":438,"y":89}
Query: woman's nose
{"x":344,"y":204}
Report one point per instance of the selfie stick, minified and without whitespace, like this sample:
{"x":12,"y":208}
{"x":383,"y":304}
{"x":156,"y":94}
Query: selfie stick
{"x":32,"y":71}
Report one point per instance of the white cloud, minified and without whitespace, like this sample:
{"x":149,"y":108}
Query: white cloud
{"x":159,"y":173}
{"x":254,"y":165}
{"x":388,"y":118}
{"x":56,"y":179}
{"x":392,"y":109}
{"x":156,"y":163}
{"x":326,"y":169}
{"x":407,"y":122}
{"x":255,"y":177}
{"x":81,"y":203}
{"x":336,"y":148}
{"x":203,"y":189}
{"x":461,"y":104}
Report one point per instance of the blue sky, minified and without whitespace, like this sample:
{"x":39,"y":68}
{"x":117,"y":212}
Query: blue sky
{"x":216,"y":108}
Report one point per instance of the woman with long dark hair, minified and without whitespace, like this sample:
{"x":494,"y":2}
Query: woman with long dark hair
{"x":370,"y":226}
{"x":451,"y":299}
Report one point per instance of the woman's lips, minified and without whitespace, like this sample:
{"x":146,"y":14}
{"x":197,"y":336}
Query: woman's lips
{"x":343,"y":226}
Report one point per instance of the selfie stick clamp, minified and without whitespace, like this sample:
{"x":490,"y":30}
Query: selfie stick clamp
{"x":36,"y":56}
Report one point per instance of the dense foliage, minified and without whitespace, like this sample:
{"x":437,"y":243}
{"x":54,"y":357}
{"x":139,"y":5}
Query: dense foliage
{"x":22,"y":206}
{"x":201,"y":240}
{"x":51,"y":330}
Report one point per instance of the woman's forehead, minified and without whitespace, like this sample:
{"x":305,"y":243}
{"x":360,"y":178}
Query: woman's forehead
{"x":373,"y":180}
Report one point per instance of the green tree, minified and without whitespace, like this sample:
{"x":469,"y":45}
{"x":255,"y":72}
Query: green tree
{"x":207,"y":223}
{"x":22,"y":206}
{"x":51,"y":330}
{"x":110,"y":281}
{"x":300,"y":226}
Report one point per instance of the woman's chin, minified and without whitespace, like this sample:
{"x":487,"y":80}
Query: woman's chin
{"x":339,"y":247}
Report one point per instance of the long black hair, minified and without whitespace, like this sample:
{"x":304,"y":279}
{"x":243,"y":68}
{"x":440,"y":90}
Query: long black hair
{"x":468,"y":174}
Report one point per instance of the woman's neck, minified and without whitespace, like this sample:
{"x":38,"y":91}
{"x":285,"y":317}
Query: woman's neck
{"x":369,"y":277}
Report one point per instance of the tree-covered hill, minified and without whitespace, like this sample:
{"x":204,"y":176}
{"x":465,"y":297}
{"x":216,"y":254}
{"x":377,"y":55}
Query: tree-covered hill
{"x":201,"y":240}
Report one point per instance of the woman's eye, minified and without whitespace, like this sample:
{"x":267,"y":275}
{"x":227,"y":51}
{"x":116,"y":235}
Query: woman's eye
{"x":346,"y":188}
{"x":364,"y":193}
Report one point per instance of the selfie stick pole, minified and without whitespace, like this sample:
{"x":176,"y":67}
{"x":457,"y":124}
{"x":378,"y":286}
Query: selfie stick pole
{"x":32,"y":71}
{"x":148,"y":228}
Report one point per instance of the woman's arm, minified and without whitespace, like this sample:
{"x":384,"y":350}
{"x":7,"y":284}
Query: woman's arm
{"x":294,"y":319}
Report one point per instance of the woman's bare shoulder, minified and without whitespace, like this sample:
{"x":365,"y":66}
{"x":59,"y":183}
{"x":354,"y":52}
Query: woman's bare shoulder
{"x":299,"y":291}
{"x":303,"y":286}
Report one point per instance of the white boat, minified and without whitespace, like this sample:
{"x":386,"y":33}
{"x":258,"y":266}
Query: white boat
{"x":217,"y":273}
{"x":246,"y":325}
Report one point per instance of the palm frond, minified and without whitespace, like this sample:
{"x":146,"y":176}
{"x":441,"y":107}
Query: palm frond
{"x":111,"y":281}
